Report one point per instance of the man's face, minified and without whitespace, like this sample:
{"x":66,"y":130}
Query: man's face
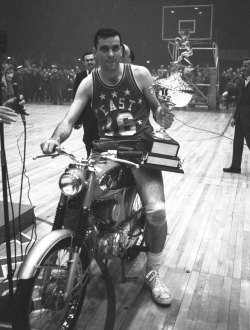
{"x":246,"y":68}
{"x":109,"y":53}
{"x":89,"y":62}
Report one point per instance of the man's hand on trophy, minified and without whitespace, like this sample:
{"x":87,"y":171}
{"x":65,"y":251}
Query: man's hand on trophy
{"x":164,"y":116}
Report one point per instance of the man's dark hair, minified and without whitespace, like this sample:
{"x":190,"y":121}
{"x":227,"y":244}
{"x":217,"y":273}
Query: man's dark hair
{"x":104,"y":34}
{"x":86,"y":53}
{"x":132,"y":56}
{"x":246,"y":59}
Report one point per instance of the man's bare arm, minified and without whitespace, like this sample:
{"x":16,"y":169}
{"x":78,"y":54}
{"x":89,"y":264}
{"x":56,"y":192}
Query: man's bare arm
{"x":64,"y":129}
{"x":161,"y":113}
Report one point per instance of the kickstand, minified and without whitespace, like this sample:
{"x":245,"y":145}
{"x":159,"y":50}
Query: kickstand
{"x":124,"y":277}
{"x":111,"y":298}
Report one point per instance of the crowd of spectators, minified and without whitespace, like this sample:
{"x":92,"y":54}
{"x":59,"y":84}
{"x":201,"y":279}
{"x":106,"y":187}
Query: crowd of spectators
{"x":53,"y":83}
{"x":196,"y":74}
{"x":37,"y":82}
{"x":229,"y":88}
{"x":228,"y":91}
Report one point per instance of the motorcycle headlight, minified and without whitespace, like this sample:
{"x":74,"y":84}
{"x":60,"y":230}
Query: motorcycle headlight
{"x":72,"y":181}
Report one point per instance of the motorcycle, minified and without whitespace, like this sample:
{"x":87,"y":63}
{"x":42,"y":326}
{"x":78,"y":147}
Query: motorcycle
{"x":53,"y":278}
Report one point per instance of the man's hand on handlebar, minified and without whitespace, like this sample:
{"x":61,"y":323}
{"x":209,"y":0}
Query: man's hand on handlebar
{"x":49,"y":146}
{"x":164,"y":116}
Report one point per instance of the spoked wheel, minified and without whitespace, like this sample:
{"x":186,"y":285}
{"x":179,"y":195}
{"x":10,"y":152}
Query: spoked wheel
{"x":39,"y":301}
{"x":137,"y":231}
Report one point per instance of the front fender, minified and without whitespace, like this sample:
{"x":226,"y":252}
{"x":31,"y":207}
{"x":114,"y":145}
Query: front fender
{"x":38,"y":251}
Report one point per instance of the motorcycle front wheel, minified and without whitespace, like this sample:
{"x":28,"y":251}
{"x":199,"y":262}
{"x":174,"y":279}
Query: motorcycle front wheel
{"x":39,"y":302}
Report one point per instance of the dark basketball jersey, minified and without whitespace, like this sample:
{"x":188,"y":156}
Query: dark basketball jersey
{"x":121,"y":109}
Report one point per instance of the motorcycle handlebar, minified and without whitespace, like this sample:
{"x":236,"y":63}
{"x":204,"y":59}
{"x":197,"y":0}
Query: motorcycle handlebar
{"x":115,"y":155}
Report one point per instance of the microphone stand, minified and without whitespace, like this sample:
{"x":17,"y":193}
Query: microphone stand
{"x":7,"y":300}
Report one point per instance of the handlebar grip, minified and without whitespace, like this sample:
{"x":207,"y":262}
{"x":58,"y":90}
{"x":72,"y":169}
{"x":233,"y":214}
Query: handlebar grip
{"x":129,"y":153}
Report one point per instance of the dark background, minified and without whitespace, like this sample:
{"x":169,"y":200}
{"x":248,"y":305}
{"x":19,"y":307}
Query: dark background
{"x":63,"y":29}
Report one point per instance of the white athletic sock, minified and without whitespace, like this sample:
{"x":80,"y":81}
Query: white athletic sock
{"x":153,"y":261}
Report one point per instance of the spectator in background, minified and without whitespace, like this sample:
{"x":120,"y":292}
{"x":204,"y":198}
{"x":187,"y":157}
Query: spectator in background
{"x":56,"y":85}
{"x":89,"y":64}
{"x":233,"y":92}
{"x":154,"y":74}
{"x":241,"y":120}
{"x":162,"y":72}
{"x":7,"y":83}
{"x":128,"y":55}
{"x":35,"y":83}
{"x":87,"y":118}
{"x":41,"y":86}
{"x":47,"y":85}
{"x":26,"y":84}
{"x":69,"y":78}
{"x":18,"y":78}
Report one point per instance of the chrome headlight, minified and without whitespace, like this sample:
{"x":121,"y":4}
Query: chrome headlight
{"x":72,"y":181}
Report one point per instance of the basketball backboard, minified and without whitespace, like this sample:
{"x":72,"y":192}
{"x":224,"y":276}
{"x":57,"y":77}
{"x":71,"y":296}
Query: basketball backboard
{"x":197,"y":20}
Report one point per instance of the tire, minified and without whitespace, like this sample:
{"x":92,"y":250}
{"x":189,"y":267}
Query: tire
{"x":137,"y":230}
{"x":38,"y":302}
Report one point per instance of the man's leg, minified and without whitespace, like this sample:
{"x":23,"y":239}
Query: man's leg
{"x":150,"y":187}
{"x":238,"y":145}
{"x":246,"y":131}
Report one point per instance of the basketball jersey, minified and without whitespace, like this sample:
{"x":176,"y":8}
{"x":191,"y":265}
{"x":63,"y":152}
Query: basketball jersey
{"x":121,"y":109}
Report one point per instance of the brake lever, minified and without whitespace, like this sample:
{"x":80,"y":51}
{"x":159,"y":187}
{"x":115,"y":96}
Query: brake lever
{"x":59,"y":152}
{"x":46,"y":155}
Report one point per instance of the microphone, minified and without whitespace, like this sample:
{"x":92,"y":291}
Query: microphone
{"x":16,"y":92}
{"x":19,"y":108}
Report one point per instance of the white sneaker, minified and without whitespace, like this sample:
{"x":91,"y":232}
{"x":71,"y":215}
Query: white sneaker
{"x":160,"y":292}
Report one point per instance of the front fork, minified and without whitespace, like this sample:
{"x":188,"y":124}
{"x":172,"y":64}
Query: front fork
{"x":72,"y":263}
{"x":60,"y":212}
{"x":81,"y":233}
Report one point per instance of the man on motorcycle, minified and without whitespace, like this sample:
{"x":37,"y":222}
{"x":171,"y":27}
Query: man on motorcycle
{"x":121,"y":100}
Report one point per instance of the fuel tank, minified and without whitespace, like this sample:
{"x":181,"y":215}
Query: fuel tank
{"x":111,"y":176}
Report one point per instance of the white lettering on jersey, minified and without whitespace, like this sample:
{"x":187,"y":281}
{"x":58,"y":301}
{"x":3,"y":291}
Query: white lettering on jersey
{"x":112,"y":107}
{"x":121,"y":103}
{"x":131,"y":103}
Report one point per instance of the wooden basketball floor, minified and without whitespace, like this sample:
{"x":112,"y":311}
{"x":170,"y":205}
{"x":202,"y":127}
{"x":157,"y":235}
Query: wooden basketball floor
{"x":206,"y":260}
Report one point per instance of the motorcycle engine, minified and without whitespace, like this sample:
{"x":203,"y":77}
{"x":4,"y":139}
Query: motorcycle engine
{"x":113,"y":244}
{"x":107,"y":211}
